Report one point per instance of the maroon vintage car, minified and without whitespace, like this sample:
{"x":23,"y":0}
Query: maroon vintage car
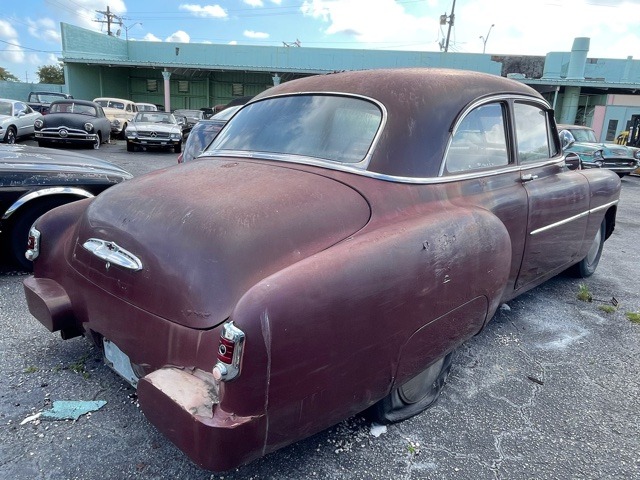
{"x":344,"y":235}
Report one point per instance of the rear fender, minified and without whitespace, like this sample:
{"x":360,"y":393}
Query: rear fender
{"x":325,"y":336}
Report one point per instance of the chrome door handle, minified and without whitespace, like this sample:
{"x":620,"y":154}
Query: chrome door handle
{"x":528,"y":177}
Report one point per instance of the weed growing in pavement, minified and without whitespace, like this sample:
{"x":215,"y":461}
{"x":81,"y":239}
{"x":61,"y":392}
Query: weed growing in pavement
{"x":30,"y":369}
{"x":584,"y":294}
{"x":633,"y":316}
{"x":79,"y":366}
{"x":607,"y":308}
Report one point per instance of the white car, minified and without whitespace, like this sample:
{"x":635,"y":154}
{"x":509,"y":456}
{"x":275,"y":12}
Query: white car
{"x":146,"y":107}
{"x":16,"y":120}
{"x":119,"y":111}
{"x":154,"y":129}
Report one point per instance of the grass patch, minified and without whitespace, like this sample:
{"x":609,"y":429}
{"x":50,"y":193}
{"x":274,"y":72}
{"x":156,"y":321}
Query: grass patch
{"x":79,"y":367}
{"x":633,"y":316}
{"x":584,"y":294}
{"x":30,"y":369}
{"x":607,"y":308}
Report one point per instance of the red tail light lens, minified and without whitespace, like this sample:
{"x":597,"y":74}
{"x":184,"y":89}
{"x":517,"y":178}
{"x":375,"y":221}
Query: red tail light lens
{"x":229,"y":353}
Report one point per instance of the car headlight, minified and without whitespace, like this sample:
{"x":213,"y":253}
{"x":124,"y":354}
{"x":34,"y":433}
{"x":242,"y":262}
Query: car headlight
{"x":116,"y":122}
{"x":38,"y":123}
{"x":636,"y":154}
{"x":132,"y":133}
{"x":88,"y":126}
{"x":598,"y":155}
{"x":175,"y":136}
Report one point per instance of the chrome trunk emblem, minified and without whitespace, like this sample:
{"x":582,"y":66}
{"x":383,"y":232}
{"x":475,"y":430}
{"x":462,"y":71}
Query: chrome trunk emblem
{"x":113,"y":254}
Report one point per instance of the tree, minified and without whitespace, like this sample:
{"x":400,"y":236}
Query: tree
{"x":51,"y":74}
{"x":9,"y":77}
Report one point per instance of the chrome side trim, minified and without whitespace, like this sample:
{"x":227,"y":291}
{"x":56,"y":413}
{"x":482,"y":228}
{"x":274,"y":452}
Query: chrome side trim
{"x":575,"y":217}
{"x":561,"y":222}
{"x":113,"y":254}
{"x":42,"y":193}
{"x":602,"y":207}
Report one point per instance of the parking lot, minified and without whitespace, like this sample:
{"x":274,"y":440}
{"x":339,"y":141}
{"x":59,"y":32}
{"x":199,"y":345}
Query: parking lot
{"x":549,"y":390}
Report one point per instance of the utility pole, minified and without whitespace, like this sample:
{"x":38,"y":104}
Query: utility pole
{"x":110,"y":18}
{"x":444,"y":19}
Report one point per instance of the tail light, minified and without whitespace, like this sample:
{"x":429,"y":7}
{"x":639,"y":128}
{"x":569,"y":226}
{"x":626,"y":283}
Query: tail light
{"x":33,"y":244}
{"x":229,"y":353}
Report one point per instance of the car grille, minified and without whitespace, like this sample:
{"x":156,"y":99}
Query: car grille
{"x":65,"y":133}
{"x":153,"y":134}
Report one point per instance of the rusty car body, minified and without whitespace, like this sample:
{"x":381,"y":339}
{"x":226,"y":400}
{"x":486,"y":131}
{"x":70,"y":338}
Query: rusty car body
{"x":344,"y":234}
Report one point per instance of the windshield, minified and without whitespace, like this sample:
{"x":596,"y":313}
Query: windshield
{"x":584,"y":135}
{"x":336,"y":128}
{"x":110,"y":103}
{"x":154,"y":117}
{"x":72,"y":107}
{"x":227,"y":113}
{"x":5,"y":108}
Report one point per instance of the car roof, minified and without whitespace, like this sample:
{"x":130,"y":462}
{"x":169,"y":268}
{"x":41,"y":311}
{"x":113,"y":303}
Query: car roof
{"x":75,"y":100}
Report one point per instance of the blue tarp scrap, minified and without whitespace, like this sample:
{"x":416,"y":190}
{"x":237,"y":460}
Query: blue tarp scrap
{"x":71,"y":410}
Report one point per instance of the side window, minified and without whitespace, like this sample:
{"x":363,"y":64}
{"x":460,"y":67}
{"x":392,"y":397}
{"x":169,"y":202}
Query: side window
{"x":480,"y":141}
{"x":532,"y":134}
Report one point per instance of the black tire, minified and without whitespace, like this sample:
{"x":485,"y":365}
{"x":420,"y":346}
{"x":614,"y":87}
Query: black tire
{"x":11,"y":135}
{"x":415,"y":396}
{"x":97,"y":142}
{"x":123,"y":133}
{"x":177,"y":148}
{"x":587,"y":266}
{"x":19,"y":232}
{"x":131,"y":147}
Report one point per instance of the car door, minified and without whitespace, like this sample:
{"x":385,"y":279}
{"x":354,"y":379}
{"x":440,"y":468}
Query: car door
{"x":24,"y":118}
{"x":558,"y":198}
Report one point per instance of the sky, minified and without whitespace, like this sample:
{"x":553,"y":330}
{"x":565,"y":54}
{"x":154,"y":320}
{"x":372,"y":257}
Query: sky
{"x":30,"y":29}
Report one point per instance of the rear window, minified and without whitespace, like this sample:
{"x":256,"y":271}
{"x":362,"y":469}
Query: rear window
{"x":336,"y":128}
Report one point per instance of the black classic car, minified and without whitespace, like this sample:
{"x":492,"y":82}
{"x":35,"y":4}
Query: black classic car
{"x":34,"y":180}
{"x":73,"y":122}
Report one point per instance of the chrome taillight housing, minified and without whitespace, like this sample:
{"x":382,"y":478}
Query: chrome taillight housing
{"x":33,"y":244}
{"x":229,"y":353}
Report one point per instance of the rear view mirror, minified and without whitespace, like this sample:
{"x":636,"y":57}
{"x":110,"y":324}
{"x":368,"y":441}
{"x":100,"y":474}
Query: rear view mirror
{"x":573,"y":161}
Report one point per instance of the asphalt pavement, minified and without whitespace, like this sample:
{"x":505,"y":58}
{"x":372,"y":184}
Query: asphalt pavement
{"x":549,"y":390}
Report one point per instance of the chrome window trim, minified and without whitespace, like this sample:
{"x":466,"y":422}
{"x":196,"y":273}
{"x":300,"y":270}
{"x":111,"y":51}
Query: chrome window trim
{"x":381,"y":176}
{"x":361,"y":165}
{"x":575,"y":217}
{"x":43,"y":193}
{"x":483,"y":101}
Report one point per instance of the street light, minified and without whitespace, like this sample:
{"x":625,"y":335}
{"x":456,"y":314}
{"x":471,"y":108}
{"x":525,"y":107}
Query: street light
{"x":126,"y":29}
{"x":486,"y":39}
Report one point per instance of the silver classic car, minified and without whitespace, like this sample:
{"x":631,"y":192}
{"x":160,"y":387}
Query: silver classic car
{"x":154,"y":129}
{"x":16,"y":120}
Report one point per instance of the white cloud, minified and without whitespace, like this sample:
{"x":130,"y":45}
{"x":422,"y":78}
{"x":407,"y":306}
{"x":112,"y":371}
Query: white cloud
{"x":277,"y":2}
{"x":254,"y":3}
{"x":207,"y":11}
{"x":255,"y":35}
{"x":233,"y":42}
{"x":12,"y":51}
{"x":150,"y":37}
{"x":385,"y":21}
{"x":52,"y":59}
{"x":180,"y":36}
{"x":44,"y":29}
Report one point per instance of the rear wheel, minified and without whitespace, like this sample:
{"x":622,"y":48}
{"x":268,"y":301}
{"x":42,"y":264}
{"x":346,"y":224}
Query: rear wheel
{"x":415,"y":396}
{"x":587,"y":266}
{"x":26,"y":216}
{"x":10,"y":137}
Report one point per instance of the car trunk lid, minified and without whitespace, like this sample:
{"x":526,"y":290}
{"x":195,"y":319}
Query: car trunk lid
{"x":205,"y":232}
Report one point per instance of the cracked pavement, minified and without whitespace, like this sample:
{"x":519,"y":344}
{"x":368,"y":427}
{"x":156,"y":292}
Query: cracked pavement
{"x":549,"y":390}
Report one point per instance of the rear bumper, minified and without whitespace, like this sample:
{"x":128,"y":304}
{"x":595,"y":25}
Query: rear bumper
{"x":182,"y":404}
